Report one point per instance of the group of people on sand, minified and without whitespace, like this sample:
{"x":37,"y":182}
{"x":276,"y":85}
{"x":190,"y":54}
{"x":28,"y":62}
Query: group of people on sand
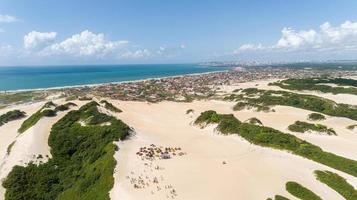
{"x":153,"y":152}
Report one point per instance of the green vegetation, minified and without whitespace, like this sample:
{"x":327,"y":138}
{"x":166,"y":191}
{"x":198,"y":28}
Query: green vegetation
{"x":302,"y":127}
{"x":307,"y":102}
{"x":246,"y":105}
{"x":316,"y":84}
{"x":316,"y":117}
{"x":351,"y":127}
{"x":49,"y":104}
{"x":82,"y":162}
{"x":208,"y":117}
{"x":45,"y":111}
{"x":110,"y":106}
{"x":85,"y":98}
{"x":65,"y":106}
{"x":21,"y":97}
{"x":301,"y":192}
{"x":189,"y":111}
{"x":8,"y":150}
{"x":71,"y":98}
{"x":338,"y":183}
{"x":254,"y":120}
{"x":279,"y":197}
{"x":34,"y":118}
{"x":10,"y":116}
{"x":269,"y":137}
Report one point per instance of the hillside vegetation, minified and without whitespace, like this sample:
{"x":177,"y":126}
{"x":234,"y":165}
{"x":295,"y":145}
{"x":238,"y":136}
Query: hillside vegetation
{"x":317,"y":84}
{"x":300,"y":191}
{"x":10,"y":116}
{"x":338,"y":183}
{"x":269,"y":137}
{"x":45,"y":111}
{"x":82,"y":162}
{"x":254,"y":96}
{"x":110,"y":106}
{"x":303,"y":127}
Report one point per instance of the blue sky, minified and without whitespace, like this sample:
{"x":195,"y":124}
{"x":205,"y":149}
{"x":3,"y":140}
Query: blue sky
{"x":161,"y":31}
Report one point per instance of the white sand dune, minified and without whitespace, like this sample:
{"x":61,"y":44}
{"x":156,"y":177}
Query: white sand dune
{"x":250,"y":172}
{"x":215,"y":166}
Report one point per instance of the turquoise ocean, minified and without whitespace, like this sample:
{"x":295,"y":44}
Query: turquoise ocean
{"x":38,"y":77}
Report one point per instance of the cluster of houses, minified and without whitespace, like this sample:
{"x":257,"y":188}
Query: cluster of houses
{"x":189,"y":87}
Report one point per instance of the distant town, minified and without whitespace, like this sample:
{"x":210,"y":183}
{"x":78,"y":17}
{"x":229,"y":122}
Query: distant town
{"x":189,"y":87}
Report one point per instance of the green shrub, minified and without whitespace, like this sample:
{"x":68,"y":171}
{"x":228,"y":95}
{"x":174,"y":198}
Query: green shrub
{"x":302,"y":127}
{"x":48,"y":113}
{"x":207,"y":117}
{"x":29,"y":122}
{"x":351,"y":127}
{"x":315,"y":84}
{"x":269,"y":137}
{"x":189,"y":111}
{"x":337,"y":183}
{"x":34,"y":118}
{"x":85,"y":98}
{"x":308,"y":102}
{"x":279,"y":197}
{"x":110,"y":106}
{"x":254,"y":120}
{"x":8,"y":150}
{"x":301,"y":192}
{"x":10,"y":116}
{"x":82,"y":163}
{"x":315,"y":117}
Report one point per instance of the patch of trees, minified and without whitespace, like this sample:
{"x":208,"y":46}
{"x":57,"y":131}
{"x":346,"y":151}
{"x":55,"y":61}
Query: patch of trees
{"x":300,"y":191}
{"x":316,"y":84}
{"x":110,"y":106}
{"x":316,"y":117}
{"x":303,"y":127}
{"x":45,"y":111}
{"x":10,"y":116}
{"x":82,"y":162}
{"x":307,"y":102}
{"x":337,"y":183}
{"x":254,"y":120}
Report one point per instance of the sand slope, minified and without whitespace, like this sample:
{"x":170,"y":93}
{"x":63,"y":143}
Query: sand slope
{"x":214,"y":166}
{"x":250,"y":172}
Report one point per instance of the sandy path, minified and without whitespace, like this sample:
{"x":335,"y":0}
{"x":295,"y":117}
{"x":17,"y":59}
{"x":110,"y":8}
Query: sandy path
{"x":201,"y":173}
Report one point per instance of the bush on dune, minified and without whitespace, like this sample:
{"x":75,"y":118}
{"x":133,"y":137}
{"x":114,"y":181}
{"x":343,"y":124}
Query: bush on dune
{"x":82,"y":162}
{"x":269,"y":137}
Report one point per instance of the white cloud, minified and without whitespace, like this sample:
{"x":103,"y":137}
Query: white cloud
{"x":7,"y":19}
{"x":326,"y":38}
{"x":83,"y":44}
{"x":251,"y":47}
{"x":38,"y":40}
{"x":170,"y":51}
{"x":292,"y":39}
{"x":136,"y":54}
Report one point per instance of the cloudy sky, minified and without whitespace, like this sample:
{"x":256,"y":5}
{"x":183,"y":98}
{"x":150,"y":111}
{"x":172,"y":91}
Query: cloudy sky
{"x":39,"y":32}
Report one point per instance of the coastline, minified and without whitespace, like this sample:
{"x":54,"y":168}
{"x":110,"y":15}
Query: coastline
{"x":108,"y":83}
